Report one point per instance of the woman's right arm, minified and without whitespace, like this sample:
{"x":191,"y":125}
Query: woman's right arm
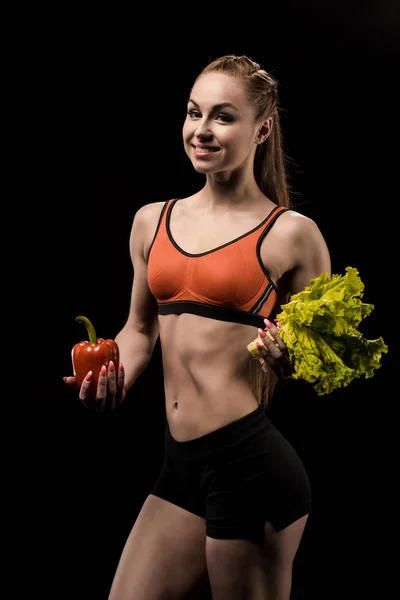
{"x":137,"y":338}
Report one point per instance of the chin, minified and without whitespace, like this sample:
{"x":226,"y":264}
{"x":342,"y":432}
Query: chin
{"x":201,"y":167}
{"x":206,"y":169}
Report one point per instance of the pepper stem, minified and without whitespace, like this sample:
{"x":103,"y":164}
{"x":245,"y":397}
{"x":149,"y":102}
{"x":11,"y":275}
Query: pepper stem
{"x":90,"y":329}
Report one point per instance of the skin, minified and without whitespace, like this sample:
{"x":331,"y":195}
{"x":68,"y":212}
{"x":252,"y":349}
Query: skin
{"x":110,"y":389}
{"x":233,"y":134}
{"x":233,"y":131}
{"x":203,"y":393}
{"x":229,"y":195}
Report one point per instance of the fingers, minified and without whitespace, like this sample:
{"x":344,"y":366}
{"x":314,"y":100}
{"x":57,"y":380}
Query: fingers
{"x":274,"y":331}
{"x":110,"y":391}
{"x":71,"y":381}
{"x":274,"y":351}
{"x":114,"y":382}
{"x":110,"y":387}
{"x":101,"y":395}
{"x":120,"y":395}
{"x":84,"y":392}
{"x":274,"y":345}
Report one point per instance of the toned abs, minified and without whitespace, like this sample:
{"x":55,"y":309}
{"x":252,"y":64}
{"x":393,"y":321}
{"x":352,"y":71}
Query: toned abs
{"x":205,"y":361}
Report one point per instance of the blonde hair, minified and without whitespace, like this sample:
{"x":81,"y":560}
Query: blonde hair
{"x":270,"y":170}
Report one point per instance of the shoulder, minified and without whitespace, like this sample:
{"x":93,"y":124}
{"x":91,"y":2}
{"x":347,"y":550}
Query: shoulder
{"x":148,"y":212}
{"x":147,"y":217}
{"x":299,"y":231}
{"x":145,"y":223}
{"x":297,"y":225}
{"x":309,"y":253}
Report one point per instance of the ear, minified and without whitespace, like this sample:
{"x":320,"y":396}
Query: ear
{"x":264,"y":130}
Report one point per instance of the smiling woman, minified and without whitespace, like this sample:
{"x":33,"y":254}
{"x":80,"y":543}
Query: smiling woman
{"x":210,"y":272}
{"x":219,"y":138}
{"x":221,"y":131}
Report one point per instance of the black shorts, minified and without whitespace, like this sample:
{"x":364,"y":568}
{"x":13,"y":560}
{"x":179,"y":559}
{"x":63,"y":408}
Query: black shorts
{"x":236,"y":478}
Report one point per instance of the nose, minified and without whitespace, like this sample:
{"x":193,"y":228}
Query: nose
{"x":203,"y":130}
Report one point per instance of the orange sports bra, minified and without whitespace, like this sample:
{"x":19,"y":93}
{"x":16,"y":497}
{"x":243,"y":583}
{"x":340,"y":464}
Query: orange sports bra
{"x":228,"y":283}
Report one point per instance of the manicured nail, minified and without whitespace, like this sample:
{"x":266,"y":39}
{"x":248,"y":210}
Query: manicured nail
{"x":262,"y":333}
{"x":103,"y":371}
{"x":111,"y":366}
{"x":121,"y":366}
{"x":88,"y":376}
{"x":268,"y":323}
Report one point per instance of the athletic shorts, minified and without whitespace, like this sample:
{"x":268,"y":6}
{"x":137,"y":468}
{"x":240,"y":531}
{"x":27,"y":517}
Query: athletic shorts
{"x":236,"y":478}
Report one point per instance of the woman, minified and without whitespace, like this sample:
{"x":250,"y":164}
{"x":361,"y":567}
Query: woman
{"x":210,"y":273}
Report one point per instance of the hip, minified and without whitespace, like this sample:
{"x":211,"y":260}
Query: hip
{"x":249,"y":447}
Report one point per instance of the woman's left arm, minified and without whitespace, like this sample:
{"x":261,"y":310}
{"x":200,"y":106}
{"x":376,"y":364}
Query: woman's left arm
{"x":310,"y":257}
{"x":310,"y":251}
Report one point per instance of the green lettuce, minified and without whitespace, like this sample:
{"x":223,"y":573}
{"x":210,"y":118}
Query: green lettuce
{"x":319,"y":328}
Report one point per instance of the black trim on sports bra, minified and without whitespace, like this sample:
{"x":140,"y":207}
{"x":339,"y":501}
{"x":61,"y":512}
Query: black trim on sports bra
{"x":218,"y":247}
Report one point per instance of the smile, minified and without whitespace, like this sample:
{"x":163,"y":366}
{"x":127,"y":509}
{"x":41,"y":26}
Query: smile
{"x":205,"y":150}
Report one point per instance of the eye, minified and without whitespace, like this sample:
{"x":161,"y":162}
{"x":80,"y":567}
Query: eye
{"x":194,"y":114}
{"x":225,"y":117}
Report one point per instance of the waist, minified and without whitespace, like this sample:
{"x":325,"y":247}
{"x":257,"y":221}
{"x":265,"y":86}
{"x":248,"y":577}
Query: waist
{"x":192,"y":413}
{"x":236,"y":433}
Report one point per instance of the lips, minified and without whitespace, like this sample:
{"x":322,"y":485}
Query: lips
{"x":202,"y":148}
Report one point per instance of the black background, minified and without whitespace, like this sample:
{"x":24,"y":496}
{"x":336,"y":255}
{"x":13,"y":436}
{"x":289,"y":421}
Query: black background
{"x":104,"y":99}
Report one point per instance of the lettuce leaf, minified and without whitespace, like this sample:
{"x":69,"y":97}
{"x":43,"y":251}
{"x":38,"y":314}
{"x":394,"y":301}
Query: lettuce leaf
{"x":319,"y":328}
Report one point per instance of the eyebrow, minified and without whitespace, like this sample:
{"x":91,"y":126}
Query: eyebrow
{"x":216,"y":106}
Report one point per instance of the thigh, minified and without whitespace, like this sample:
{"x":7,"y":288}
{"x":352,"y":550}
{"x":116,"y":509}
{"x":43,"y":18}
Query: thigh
{"x":164,"y":556}
{"x":239,"y":568}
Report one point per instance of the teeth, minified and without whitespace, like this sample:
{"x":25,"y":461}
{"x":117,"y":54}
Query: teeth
{"x":205,"y":149}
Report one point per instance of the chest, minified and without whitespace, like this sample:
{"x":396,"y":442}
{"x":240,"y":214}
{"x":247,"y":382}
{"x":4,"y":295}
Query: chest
{"x":206,"y":234}
{"x":209,"y":235}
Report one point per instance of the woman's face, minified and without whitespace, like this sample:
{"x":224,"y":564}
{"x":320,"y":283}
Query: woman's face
{"x":219,"y":132}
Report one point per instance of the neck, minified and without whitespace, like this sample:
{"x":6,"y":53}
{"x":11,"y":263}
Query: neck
{"x":224,"y":192}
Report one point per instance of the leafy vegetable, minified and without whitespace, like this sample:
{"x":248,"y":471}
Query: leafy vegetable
{"x":319,"y":328}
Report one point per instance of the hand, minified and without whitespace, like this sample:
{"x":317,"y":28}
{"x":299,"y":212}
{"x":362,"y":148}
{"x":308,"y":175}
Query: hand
{"x":110,"y":388}
{"x":275,"y":353}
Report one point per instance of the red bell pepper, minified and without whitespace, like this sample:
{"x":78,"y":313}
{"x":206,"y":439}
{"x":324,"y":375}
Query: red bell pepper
{"x":91,"y":355}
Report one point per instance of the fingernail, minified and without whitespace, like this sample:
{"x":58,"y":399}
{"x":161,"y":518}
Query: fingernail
{"x":268,"y":323}
{"x":88,"y":376}
{"x":121,"y":366}
{"x":262,"y":333}
{"x":111,"y":366}
{"x":103,"y":371}
{"x":64,"y":379}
